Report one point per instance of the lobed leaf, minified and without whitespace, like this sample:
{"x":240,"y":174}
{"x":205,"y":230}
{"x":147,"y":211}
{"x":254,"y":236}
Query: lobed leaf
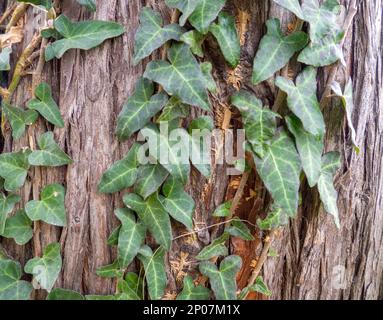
{"x":110,"y":271}
{"x":63,"y":294}
{"x":50,"y":208}
{"x":194,"y":39}
{"x":206,"y":68}
{"x":19,"y":228}
{"x":259,"y":286}
{"x":205,"y":13}
{"x":192,"y":292}
{"x":173,"y":109}
{"x":126,"y":291}
{"x":14,"y":169}
{"x":185,"y":6}
{"x":150,"y":178}
{"x":7,"y":203}
{"x":18,"y":118}
{"x":238,"y":229}
{"x":215,"y":249}
{"x":223,"y":210}
{"x":46,"y":105}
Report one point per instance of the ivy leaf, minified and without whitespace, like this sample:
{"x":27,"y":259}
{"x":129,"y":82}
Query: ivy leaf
{"x":153,"y":215}
{"x":310,"y":149}
{"x":110,"y":271}
{"x":215,"y":249}
{"x":223,"y":280}
{"x":11,"y":287}
{"x":47,"y":4}
{"x":205,"y":13}
{"x":179,"y":204}
{"x":155,"y":272}
{"x":150,"y":178}
{"x":49,"y":154}
{"x":259,"y":123}
{"x":348,"y":104}
{"x":239,"y":229}
{"x":50,"y":208}
{"x":223,"y":210}
{"x":330,"y":164}
{"x":113,"y":237}
{"x":83,"y":35}
{"x":18,"y":228}
{"x":275,"y":50}
{"x":46,"y":105}
{"x":5,"y":54}
{"x":181,"y":77}
{"x":185,"y":6}
{"x":302,"y":100}
{"x":7,"y":203}
{"x":89,"y":4}
{"x":194,"y":39}
{"x":14,"y":169}
{"x":99,"y":297}
{"x":18,"y":118}
{"x":206,"y":68}
{"x":227,"y":37}
{"x":126,"y":292}
{"x":293,"y":6}
{"x":174,"y":109}
{"x":151,"y":35}
{"x":63,"y":294}
{"x":131,"y":236}
{"x":322,"y":19}
{"x":275,"y":219}
{"x":259,"y":286}
{"x":122,"y":174}
{"x":323,"y":53}
{"x":139,"y":109}
{"x":45,"y":270}
{"x":280,"y":170}
{"x":192,"y":292}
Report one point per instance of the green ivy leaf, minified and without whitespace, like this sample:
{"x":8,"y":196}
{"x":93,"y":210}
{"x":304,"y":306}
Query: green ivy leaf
{"x":185,"y":6}
{"x":150,"y":178}
{"x":194,"y":39}
{"x":151,"y":35}
{"x":280,"y":170}
{"x":205,"y":13}
{"x":122,"y":174}
{"x":223,"y":210}
{"x":139,"y":109}
{"x":14,"y":169}
{"x":18,"y":118}
{"x":310,"y":149}
{"x":110,"y":271}
{"x":259,"y":286}
{"x":181,"y":77}
{"x":45,"y":270}
{"x":227,"y":37}
{"x":206,"y":68}
{"x":5,"y":55}
{"x":18,"y":228}
{"x":323,"y":53}
{"x":275,"y":219}
{"x":47,"y":4}
{"x":50,"y":208}
{"x":131,"y":237}
{"x":178,"y":203}
{"x":238,"y":229}
{"x":302,"y":100}
{"x":89,"y":4}
{"x":98,"y":297}
{"x":322,"y":19}
{"x":136,"y":283}
{"x":154,"y":216}
{"x":126,"y":291}
{"x":63,"y":294}
{"x":192,"y":292}
{"x":46,"y":105}
{"x":83,"y":35}
{"x":223,"y":280}
{"x":259,"y":123}
{"x":330,"y":164}
{"x":174,"y":109}
{"x":49,"y":154}
{"x":215,"y":249}
{"x":155,"y":272}
{"x":113,"y":237}
{"x":7,"y":203}
{"x":293,"y":6}
{"x":275,"y":50}
{"x":348,"y":104}
{"x":11,"y":287}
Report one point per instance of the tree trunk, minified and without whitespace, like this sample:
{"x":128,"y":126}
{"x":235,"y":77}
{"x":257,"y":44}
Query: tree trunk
{"x":315,"y":260}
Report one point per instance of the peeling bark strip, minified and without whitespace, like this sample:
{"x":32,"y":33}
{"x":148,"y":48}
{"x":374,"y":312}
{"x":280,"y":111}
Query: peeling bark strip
{"x":315,"y":261}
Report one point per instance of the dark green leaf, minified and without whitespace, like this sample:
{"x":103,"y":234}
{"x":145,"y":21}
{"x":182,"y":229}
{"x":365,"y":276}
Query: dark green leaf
{"x":194,"y":39}
{"x":174,"y":109}
{"x":275,"y":50}
{"x":215,"y":249}
{"x":185,"y":6}
{"x":151,"y":35}
{"x":7,"y":203}
{"x":223,"y":210}
{"x":83,"y":35}
{"x":45,"y":270}
{"x":18,"y":118}
{"x":181,"y":77}
{"x":49,"y":154}
{"x":63,"y":294}
{"x":126,"y":291}
{"x":293,"y":6}
{"x":227,"y":36}
{"x":113,"y":237}
{"x":302,"y":100}
{"x":223,"y":280}
{"x":50,"y":208}
{"x":19,"y":228}
{"x":46,"y":106}
{"x":14,"y":169}
{"x":259,"y":286}
{"x":150,"y":178}
{"x":110,"y":271}
{"x":206,"y":68}
{"x":205,"y":13}
{"x":239,"y":229}
{"x":192,"y":292}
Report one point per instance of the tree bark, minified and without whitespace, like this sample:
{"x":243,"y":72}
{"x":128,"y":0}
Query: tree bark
{"x":315,"y":260}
